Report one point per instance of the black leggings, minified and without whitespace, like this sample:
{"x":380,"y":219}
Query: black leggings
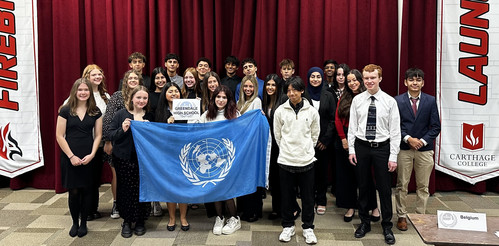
{"x":79,"y":202}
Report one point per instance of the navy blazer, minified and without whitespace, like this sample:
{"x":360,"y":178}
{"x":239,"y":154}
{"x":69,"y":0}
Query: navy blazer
{"x":425,"y":124}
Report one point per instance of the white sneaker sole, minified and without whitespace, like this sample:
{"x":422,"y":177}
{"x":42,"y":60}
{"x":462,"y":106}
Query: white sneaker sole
{"x":287,"y":239}
{"x":230,"y":232}
{"x":313,"y":242}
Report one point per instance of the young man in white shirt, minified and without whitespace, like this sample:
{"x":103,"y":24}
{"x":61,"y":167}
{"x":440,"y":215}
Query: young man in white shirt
{"x":374,"y":143}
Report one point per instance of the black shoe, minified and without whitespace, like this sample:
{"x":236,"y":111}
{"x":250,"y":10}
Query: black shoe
{"x":362,"y":230}
{"x":348,"y":219}
{"x":90,"y":217}
{"x":97,"y":215}
{"x":185,"y":228}
{"x":389,"y":237}
{"x":126,"y":231}
{"x":82,"y":231}
{"x":273,"y":216}
{"x":140,"y":229}
{"x":171,"y":228}
{"x":252,"y":218}
{"x":74,"y":231}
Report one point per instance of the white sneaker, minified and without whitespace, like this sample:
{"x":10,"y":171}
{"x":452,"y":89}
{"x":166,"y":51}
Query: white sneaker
{"x":114,"y":212}
{"x":157,"y":210}
{"x":287,"y":233}
{"x":219,"y":223}
{"x":233,"y":224}
{"x":309,"y":236}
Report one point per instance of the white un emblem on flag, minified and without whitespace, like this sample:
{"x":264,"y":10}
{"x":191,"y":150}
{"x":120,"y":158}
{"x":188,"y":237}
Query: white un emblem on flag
{"x":207,"y":161}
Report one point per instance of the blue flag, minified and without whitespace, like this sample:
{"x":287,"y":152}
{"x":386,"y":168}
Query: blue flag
{"x":197,"y":163}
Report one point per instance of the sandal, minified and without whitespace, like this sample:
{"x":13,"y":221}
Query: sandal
{"x":321,"y":210}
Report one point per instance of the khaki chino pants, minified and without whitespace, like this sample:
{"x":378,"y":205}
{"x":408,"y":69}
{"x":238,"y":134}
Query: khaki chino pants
{"x":422,"y":163}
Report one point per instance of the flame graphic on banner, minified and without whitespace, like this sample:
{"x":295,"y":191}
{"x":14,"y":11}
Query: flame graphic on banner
{"x":473,"y":141}
{"x":8,"y":145}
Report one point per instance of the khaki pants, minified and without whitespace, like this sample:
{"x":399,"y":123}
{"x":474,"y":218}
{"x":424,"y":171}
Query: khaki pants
{"x":422,"y":163}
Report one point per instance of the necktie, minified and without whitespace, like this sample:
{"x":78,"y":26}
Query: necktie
{"x":414,"y":105}
{"x":371,"y":121}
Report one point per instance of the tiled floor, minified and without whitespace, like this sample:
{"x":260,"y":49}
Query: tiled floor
{"x":41,"y":217}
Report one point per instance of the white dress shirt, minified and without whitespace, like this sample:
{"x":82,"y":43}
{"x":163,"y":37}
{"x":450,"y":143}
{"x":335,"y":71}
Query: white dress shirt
{"x":387,"y":121}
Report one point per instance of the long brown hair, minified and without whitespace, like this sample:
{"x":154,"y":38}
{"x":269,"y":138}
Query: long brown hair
{"x":348,"y":94}
{"x":273,"y":100}
{"x":102,"y":86}
{"x":230,"y":108}
{"x":125,"y":90}
{"x":129,"y":103}
{"x":72,"y":102}
{"x":206,"y":99}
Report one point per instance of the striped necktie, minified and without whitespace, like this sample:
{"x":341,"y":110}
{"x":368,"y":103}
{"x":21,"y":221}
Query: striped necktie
{"x":371,"y":121}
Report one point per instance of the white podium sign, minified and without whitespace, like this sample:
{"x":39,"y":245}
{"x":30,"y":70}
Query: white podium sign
{"x":462,"y":221}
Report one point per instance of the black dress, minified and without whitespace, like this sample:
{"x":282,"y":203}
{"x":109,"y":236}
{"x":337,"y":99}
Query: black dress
{"x":79,"y":135}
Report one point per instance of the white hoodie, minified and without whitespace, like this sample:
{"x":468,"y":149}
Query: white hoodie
{"x":296,"y":134}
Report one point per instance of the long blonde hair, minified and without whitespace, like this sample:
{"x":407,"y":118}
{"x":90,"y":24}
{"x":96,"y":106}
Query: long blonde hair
{"x":102,"y":86}
{"x":243,"y":104}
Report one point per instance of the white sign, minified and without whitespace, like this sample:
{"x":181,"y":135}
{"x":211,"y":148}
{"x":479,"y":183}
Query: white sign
{"x":468,"y":99}
{"x":462,"y":221}
{"x":20,"y":141}
{"x":186,"y":109}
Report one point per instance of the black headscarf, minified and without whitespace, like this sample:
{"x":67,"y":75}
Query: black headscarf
{"x":315,"y":92}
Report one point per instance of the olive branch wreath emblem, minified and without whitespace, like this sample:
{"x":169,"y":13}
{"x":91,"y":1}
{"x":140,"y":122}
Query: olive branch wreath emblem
{"x":193,"y":178}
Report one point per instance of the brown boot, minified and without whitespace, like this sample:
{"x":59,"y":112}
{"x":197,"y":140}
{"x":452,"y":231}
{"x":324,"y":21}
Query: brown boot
{"x":402,"y":224}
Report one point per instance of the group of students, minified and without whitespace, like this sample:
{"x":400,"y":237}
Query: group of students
{"x":307,"y":121}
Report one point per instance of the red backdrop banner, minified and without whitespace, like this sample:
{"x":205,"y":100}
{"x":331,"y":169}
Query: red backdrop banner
{"x":73,"y":34}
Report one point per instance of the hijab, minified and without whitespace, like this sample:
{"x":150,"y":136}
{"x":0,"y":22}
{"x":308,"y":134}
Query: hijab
{"x":315,"y":92}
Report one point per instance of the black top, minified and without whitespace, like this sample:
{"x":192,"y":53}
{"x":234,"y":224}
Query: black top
{"x":327,"y":110}
{"x":231,"y":82}
{"x":153,"y":100}
{"x":123,"y":146}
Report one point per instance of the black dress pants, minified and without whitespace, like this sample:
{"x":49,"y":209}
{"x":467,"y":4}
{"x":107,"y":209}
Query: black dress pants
{"x":377,"y":159}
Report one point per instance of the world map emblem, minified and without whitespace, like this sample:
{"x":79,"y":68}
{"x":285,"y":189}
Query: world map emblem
{"x":207,"y":161}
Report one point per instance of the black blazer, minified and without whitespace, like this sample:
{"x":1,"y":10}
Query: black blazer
{"x":123,"y":146}
{"x":425,"y":124}
{"x":327,"y":110}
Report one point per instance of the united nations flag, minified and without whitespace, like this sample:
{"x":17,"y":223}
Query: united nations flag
{"x":197,"y":163}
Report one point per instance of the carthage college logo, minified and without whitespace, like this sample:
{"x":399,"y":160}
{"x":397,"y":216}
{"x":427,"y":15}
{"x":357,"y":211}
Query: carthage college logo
{"x":472,"y":137}
{"x":8,"y":145}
